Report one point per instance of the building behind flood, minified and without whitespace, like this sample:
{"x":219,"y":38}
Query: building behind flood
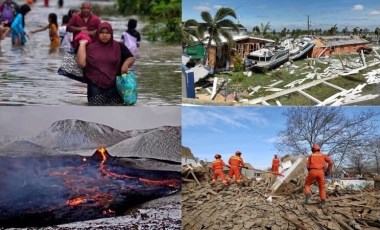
{"x":329,"y":45}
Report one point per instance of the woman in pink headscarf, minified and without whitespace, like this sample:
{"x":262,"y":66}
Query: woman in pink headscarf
{"x":103,"y":60}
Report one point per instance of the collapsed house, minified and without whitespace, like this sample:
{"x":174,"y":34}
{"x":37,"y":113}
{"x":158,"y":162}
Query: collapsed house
{"x":276,"y":202}
{"x":329,"y":45}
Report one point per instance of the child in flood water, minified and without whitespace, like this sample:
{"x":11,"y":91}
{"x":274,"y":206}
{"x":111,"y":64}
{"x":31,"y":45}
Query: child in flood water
{"x":53,"y":30}
{"x":4,"y":30}
{"x":66,"y":37}
{"x":18,"y":24}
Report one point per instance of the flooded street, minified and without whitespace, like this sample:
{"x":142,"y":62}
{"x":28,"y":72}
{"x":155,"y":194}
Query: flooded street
{"x":28,"y":74}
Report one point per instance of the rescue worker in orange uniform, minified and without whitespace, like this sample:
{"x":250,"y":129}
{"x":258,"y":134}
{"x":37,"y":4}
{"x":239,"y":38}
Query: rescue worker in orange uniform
{"x":235,"y":162}
{"x":316,"y":166}
{"x":217,"y":168}
{"x":275,"y":165}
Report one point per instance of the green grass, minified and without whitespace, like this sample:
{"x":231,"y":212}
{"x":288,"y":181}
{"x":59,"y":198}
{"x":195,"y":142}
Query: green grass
{"x":321,"y":91}
{"x":243,"y":84}
{"x":294,"y":99}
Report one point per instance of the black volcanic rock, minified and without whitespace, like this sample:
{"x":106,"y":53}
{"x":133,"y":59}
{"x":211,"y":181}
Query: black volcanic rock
{"x":163,"y":143}
{"x":26,"y":148}
{"x":73,"y":134}
{"x":49,"y":190}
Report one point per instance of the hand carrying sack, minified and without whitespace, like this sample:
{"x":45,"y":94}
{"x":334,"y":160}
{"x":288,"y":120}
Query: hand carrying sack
{"x":70,"y":68}
{"x":126,"y":85}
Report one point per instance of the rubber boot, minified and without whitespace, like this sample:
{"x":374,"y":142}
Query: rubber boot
{"x":323,"y":204}
{"x":307,"y":198}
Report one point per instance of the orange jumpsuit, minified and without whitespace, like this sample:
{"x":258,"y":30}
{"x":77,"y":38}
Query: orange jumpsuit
{"x":217,"y":168}
{"x":275,"y":165}
{"x":316,"y":167}
{"x":235,"y":162}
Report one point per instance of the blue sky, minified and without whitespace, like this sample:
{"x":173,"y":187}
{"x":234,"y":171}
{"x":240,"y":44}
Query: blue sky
{"x":292,"y":14}
{"x":252,"y":130}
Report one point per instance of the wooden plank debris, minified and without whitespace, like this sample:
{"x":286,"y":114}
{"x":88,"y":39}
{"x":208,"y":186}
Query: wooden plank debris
{"x":247,"y":207}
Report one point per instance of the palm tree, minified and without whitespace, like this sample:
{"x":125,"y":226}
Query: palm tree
{"x":283,"y":33}
{"x":345,"y":31}
{"x":256,"y":30}
{"x":215,"y":27}
{"x":190,"y":30}
{"x":265,"y":29}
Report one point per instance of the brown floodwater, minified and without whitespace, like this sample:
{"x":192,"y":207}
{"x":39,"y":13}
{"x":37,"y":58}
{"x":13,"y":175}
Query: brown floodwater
{"x":28,"y":74}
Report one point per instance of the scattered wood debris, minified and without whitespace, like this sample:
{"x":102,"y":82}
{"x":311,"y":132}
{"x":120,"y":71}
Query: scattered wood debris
{"x":314,"y":76}
{"x":255,"y":206}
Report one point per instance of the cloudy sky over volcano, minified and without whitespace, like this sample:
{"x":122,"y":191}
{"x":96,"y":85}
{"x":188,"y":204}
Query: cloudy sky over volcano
{"x":30,"y":120}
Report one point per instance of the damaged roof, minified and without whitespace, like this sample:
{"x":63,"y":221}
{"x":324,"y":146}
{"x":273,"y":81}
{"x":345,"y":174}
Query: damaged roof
{"x":328,"y":41}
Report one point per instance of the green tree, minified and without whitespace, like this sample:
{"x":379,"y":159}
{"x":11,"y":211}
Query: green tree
{"x":345,"y":31}
{"x":191,"y":30}
{"x":333,"y":30}
{"x":265,"y":29}
{"x":215,"y":27}
{"x":283,"y":33}
{"x":164,"y":15}
{"x":256,"y":30}
{"x":355,"y":31}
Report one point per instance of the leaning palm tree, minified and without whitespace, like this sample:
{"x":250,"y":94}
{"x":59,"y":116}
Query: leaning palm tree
{"x":191,"y":30}
{"x":256,"y":30}
{"x":215,"y":27}
{"x":265,"y":29}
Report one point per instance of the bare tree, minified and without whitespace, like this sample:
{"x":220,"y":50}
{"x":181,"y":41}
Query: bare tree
{"x":329,"y":127}
{"x":358,"y":159}
{"x":374,"y":151}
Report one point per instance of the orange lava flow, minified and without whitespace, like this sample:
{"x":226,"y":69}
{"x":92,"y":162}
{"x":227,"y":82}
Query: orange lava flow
{"x":170,"y":183}
{"x":76,"y":201}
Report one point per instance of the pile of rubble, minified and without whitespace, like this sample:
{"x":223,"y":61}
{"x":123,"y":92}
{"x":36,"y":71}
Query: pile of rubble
{"x":258,"y":205}
{"x":315,"y":75}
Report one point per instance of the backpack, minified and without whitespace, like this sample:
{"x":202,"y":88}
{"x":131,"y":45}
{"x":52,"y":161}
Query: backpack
{"x":130,"y":42}
{"x":8,"y":12}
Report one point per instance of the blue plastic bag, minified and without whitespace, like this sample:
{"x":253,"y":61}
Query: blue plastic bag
{"x":126,"y":84}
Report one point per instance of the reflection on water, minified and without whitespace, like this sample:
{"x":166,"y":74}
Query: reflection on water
{"x":28,"y":74}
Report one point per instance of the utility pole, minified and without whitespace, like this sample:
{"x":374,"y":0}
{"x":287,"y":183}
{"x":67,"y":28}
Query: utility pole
{"x":308,"y":25}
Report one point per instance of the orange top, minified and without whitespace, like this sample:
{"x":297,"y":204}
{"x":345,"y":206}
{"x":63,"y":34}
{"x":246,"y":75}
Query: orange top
{"x":317,"y":160}
{"x":236,"y":161}
{"x":276,"y":161}
{"x":217,"y":164}
{"x":54,"y":38}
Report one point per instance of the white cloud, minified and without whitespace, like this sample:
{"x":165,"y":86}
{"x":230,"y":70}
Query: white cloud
{"x":202,"y":8}
{"x":216,"y":119}
{"x":274,"y":139}
{"x":358,"y":7}
{"x":374,"y":12}
{"x":218,"y":7}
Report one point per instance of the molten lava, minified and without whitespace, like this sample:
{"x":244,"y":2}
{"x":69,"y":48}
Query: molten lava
{"x":102,"y":154}
{"x":50,"y":190}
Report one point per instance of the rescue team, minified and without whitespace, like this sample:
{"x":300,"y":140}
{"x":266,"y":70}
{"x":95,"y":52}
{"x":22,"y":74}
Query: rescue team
{"x":318,"y":165}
